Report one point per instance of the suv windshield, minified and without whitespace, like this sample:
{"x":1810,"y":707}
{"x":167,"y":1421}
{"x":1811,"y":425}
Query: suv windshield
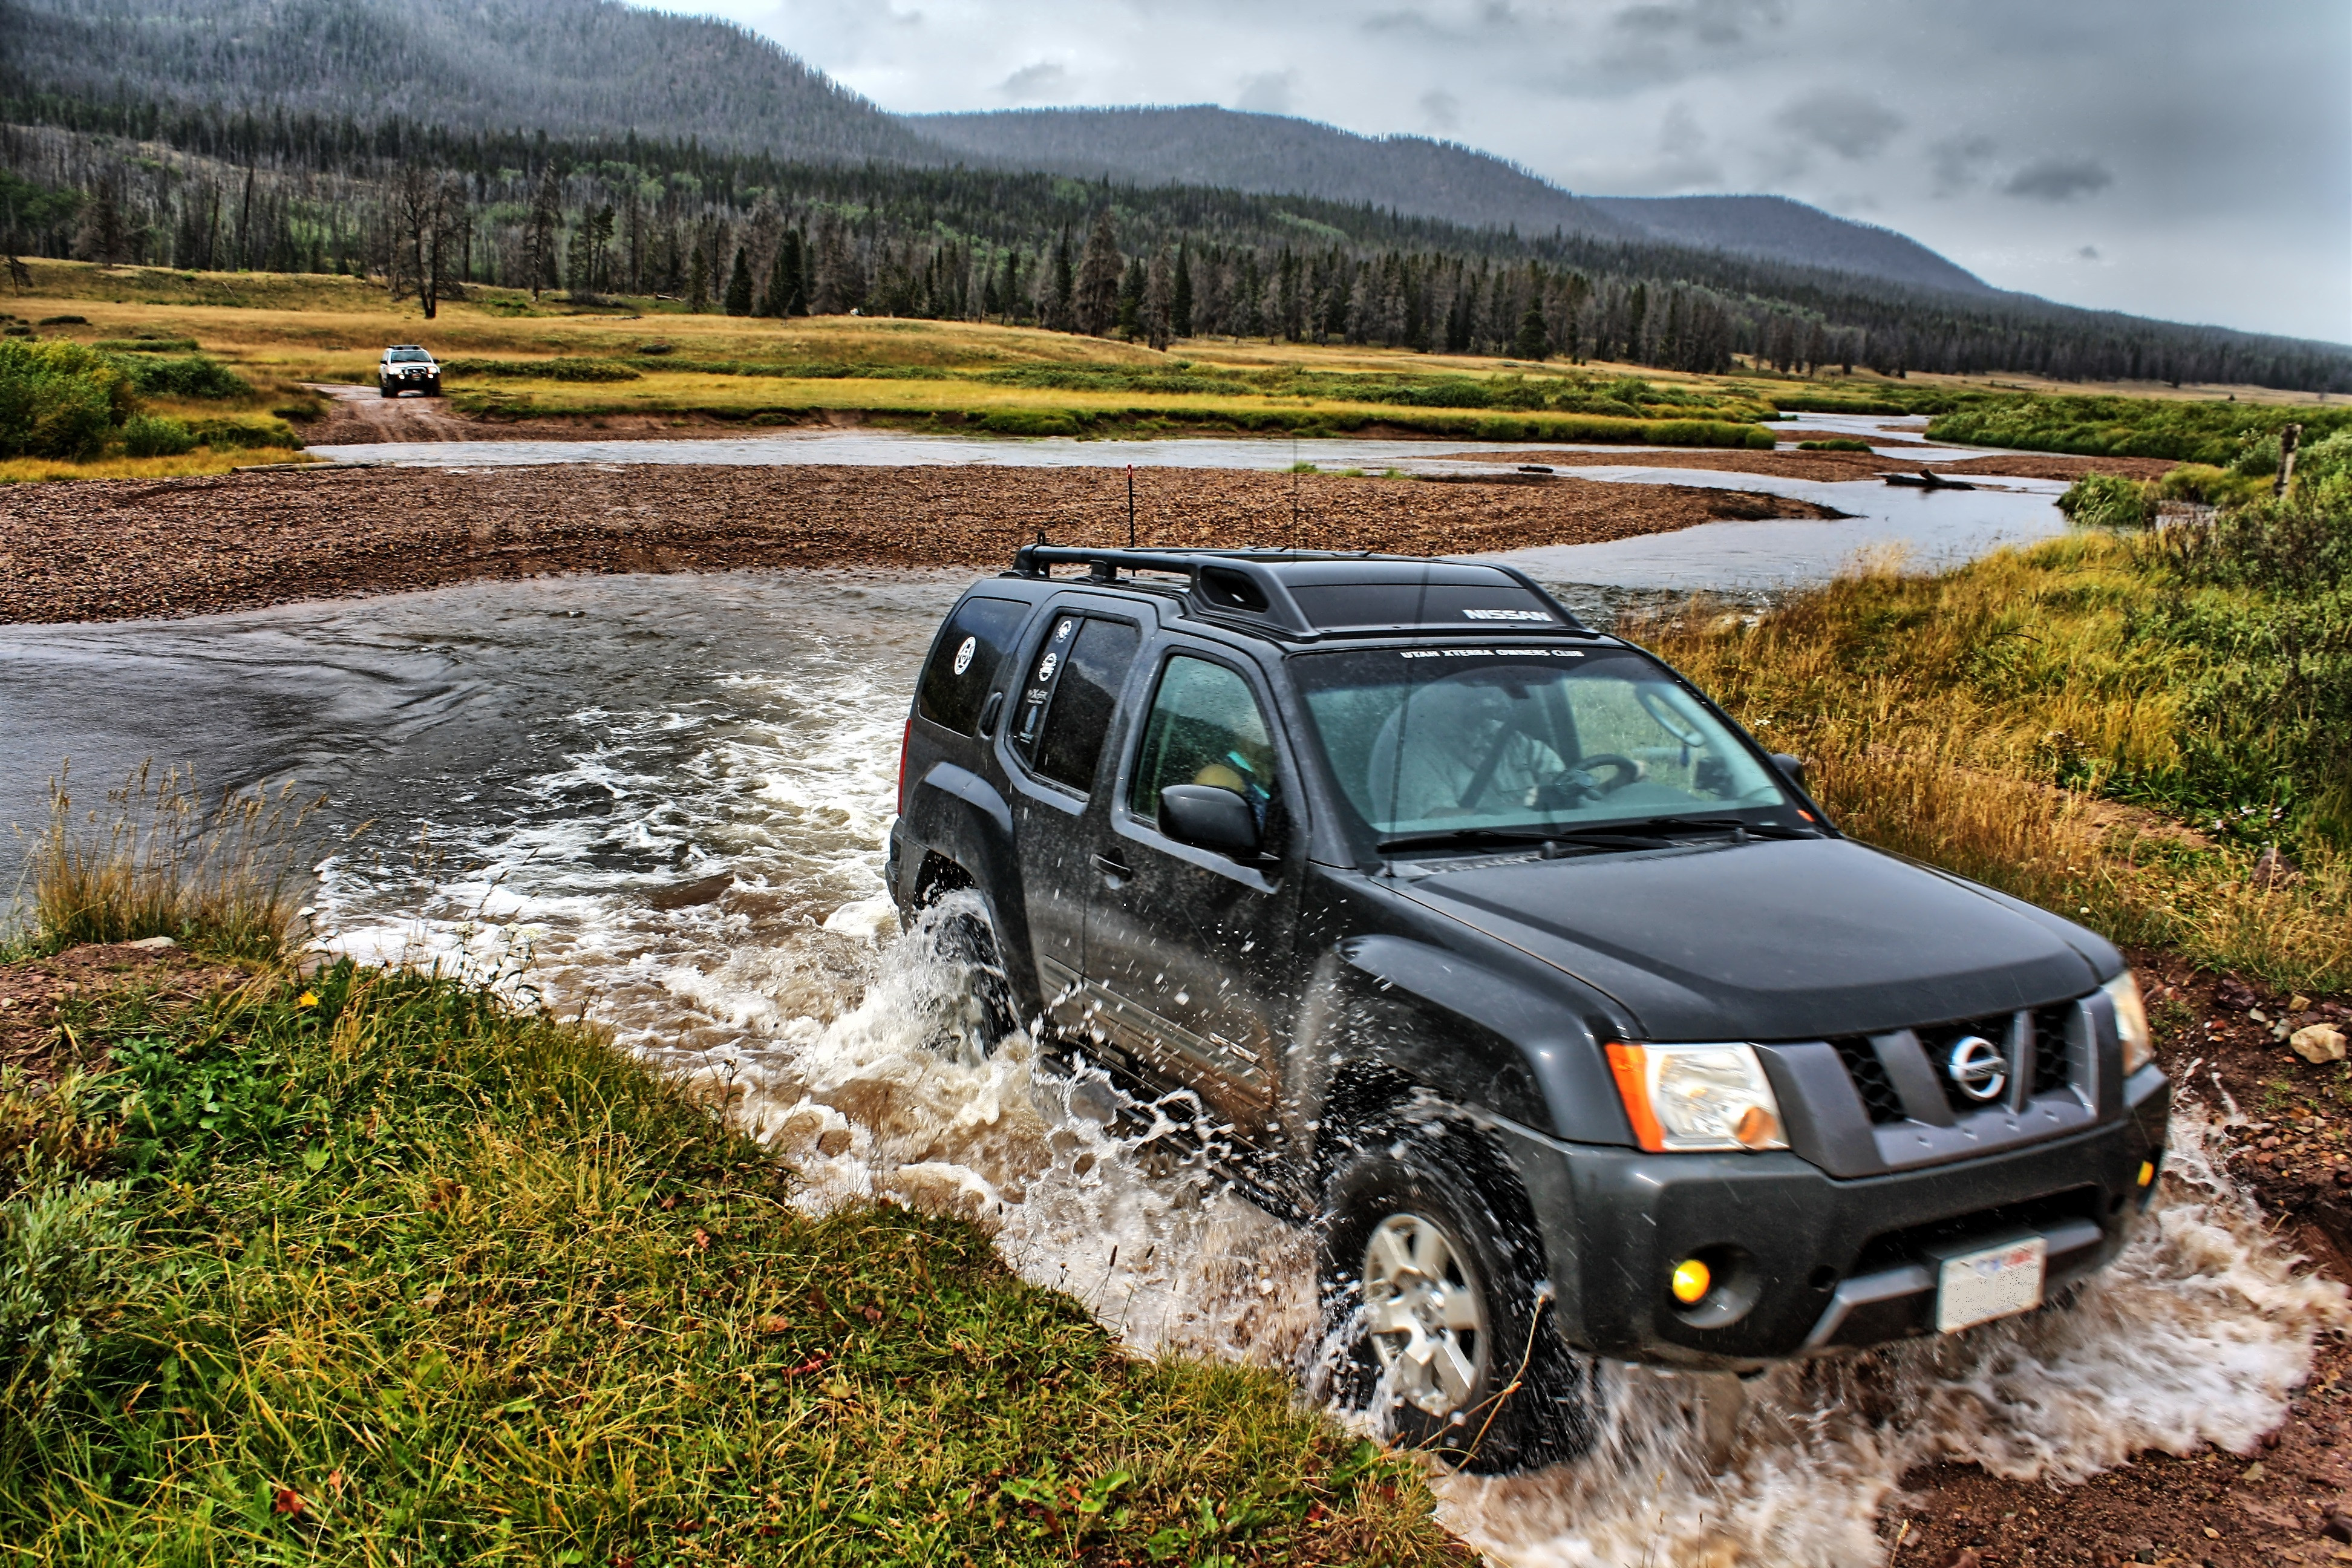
{"x":409,"y":356}
{"x":1442,"y":739}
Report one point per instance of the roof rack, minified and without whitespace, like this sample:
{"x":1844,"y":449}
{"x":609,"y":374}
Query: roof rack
{"x":1250,"y":587}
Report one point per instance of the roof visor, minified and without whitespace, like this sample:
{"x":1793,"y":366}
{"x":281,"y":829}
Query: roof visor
{"x":1490,"y":602}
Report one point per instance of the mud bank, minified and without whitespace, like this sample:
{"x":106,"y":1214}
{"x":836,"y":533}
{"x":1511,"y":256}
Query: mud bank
{"x":119,"y":550}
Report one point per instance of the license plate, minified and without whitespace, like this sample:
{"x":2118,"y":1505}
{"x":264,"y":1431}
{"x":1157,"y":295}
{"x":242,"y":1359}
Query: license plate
{"x":1990,"y":1283}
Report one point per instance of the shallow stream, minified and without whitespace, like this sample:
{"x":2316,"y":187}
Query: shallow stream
{"x":663,"y":800}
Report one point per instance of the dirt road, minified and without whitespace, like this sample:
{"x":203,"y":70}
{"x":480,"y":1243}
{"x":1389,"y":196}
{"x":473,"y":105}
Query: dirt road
{"x":117,"y":550}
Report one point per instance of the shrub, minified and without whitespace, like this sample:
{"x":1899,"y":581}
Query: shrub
{"x":59,"y":399}
{"x":64,"y":1245}
{"x":2108,"y":501}
{"x":150,"y":435}
{"x":1029,"y":422}
{"x":65,"y":320}
{"x":1834,"y":444}
{"x":146,"y":345}
{"x":193,"y":377}
{"x":560,"y":368}
{"x":235,"y":434}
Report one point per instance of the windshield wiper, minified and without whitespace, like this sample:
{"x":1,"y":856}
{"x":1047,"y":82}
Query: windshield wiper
{"x":1642,"y":833}
{"x":1574,"y":837}
{"x":1718,"y":824}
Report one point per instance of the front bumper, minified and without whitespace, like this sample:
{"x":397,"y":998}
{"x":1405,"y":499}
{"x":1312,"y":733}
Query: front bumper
{"x":1805,"y":1262}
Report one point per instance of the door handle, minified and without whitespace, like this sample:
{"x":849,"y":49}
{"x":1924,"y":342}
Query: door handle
{"x":1112,"y":866}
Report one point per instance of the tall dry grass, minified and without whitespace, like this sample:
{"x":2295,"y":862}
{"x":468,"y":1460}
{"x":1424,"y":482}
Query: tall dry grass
{"x":155,"y":860}
{"x":1936,"y":714}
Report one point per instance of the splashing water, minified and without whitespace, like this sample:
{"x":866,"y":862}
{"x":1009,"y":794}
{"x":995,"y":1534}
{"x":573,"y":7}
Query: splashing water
{"x":699,"y":865}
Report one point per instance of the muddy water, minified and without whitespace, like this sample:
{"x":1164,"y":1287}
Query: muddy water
{"x":663,"y":800}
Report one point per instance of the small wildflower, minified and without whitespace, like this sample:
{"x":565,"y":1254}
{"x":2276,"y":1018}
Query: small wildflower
{"x":307,"y":999}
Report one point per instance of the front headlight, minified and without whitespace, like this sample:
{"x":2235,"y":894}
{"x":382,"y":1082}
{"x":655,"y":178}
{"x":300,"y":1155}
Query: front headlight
{"x":2131,"y":1022}
{"x":1690,"y":1098}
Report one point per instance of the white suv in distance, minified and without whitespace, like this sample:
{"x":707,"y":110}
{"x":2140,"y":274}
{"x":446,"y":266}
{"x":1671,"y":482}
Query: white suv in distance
{"x":405,"y":367}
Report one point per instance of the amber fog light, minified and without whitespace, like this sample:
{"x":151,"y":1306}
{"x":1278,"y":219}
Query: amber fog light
{"x":2146,"y":1172}
{"x":1693,"y":1280}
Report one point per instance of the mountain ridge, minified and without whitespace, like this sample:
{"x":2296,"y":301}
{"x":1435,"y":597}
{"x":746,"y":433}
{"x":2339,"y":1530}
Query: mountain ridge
{"x":1281,"y":155}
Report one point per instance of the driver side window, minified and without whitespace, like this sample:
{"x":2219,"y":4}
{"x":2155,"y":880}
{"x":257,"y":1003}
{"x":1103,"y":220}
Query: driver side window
{"x":1205,"y":728}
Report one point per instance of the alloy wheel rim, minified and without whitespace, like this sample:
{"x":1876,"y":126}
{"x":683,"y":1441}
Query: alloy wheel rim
{"x":1425,"y":1313}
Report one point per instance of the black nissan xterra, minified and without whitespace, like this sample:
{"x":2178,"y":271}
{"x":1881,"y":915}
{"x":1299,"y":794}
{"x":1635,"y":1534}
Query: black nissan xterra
{"x":1489,"y":942}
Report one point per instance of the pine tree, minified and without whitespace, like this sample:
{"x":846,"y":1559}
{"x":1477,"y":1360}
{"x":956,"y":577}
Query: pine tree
{"x":1533,"y":342}
{"x":1130,"y":299}
{"x":1099,"y":276}
{"x":1060,"y":316}
{"x":739,"y":285}
{"x":697,"y":283}
{"x":1158,"y":301}
{"x":541,"y":228}
{"x":1180,"y":301}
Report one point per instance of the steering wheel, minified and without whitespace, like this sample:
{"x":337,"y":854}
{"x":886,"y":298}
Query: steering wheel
{"x":1623,"y":771}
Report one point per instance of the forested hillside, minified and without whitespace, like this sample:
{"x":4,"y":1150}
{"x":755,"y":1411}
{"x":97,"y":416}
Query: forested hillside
{"x":568,"y":67}
{"x":1781,"y":230}
{"x":1201,"y":144}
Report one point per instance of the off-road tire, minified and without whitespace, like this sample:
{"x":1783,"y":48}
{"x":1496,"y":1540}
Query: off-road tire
{"x":1530,"y":1402}
{"x":433,"y":387}
{"x":385,"y":389}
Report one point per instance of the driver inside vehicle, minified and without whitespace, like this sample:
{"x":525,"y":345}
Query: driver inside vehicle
{"x":1455,"y":748}
{"x":1518,"y":740}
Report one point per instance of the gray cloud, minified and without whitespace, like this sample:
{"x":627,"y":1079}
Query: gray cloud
{"x":1269,"y":92}
{"x":1959,"y":162}
{"x":1036,"y":83}
{"x":2060,"y":179}
{"x":2087,"y":253}
{"x":1853,"y":125}
{"x":1441,"y":109}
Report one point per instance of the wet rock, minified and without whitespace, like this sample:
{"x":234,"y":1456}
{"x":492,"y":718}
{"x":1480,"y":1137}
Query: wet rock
{"x":2338,"y":1528}
{"x":2317,"y":1043}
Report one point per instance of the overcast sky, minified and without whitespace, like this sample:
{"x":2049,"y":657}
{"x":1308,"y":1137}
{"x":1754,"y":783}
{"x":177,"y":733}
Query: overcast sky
{"x":2190,"y":159}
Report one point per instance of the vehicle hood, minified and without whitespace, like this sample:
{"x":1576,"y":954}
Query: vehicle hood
{"x":1772,"y":940}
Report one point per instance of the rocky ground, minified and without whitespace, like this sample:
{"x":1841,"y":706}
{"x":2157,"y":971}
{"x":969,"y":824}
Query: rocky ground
{"x":2291,"y":1500}
{"x":117,"y":550}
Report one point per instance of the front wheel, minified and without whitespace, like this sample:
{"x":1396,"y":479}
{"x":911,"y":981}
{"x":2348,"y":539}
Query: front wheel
{"x":433,"y":387}
{"x":1431,"y":1271}
{"x":385,"y":389}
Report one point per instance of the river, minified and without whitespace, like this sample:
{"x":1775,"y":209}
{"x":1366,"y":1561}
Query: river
{"x":662,"y":800}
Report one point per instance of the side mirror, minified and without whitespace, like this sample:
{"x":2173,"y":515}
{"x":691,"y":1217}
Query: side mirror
{"x":1791,"y":768}
{"x":1208,"y":817}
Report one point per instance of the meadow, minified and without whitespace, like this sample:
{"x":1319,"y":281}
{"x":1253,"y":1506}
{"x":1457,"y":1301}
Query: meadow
{"x":654,"y":365}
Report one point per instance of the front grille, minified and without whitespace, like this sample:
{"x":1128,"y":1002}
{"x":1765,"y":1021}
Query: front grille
{"x":2053,"y":1066}
{"x":1938,"y":1040}
{"x":2049,"y":1059}
{"x":1870,"y":1079}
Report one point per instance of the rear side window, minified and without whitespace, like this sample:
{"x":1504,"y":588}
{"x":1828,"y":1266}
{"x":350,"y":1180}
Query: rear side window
{"x":1083,"y":699}
{"x":965,"y":661}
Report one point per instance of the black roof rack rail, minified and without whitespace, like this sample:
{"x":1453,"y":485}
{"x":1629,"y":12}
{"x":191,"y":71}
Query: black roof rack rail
{"x":1231,"y":584}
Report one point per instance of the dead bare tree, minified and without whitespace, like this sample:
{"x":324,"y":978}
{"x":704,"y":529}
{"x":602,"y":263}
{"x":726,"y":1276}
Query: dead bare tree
{"x":430,"y":224}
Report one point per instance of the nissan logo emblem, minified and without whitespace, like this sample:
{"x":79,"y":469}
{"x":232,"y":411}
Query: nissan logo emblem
{"x":1976,"y":1065}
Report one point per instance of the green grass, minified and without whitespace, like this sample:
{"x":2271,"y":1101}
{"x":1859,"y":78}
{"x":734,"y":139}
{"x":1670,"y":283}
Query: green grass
{"x":371,"y":1267}
{"x":2219,"y":434}
{"x":393,"y":1273}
